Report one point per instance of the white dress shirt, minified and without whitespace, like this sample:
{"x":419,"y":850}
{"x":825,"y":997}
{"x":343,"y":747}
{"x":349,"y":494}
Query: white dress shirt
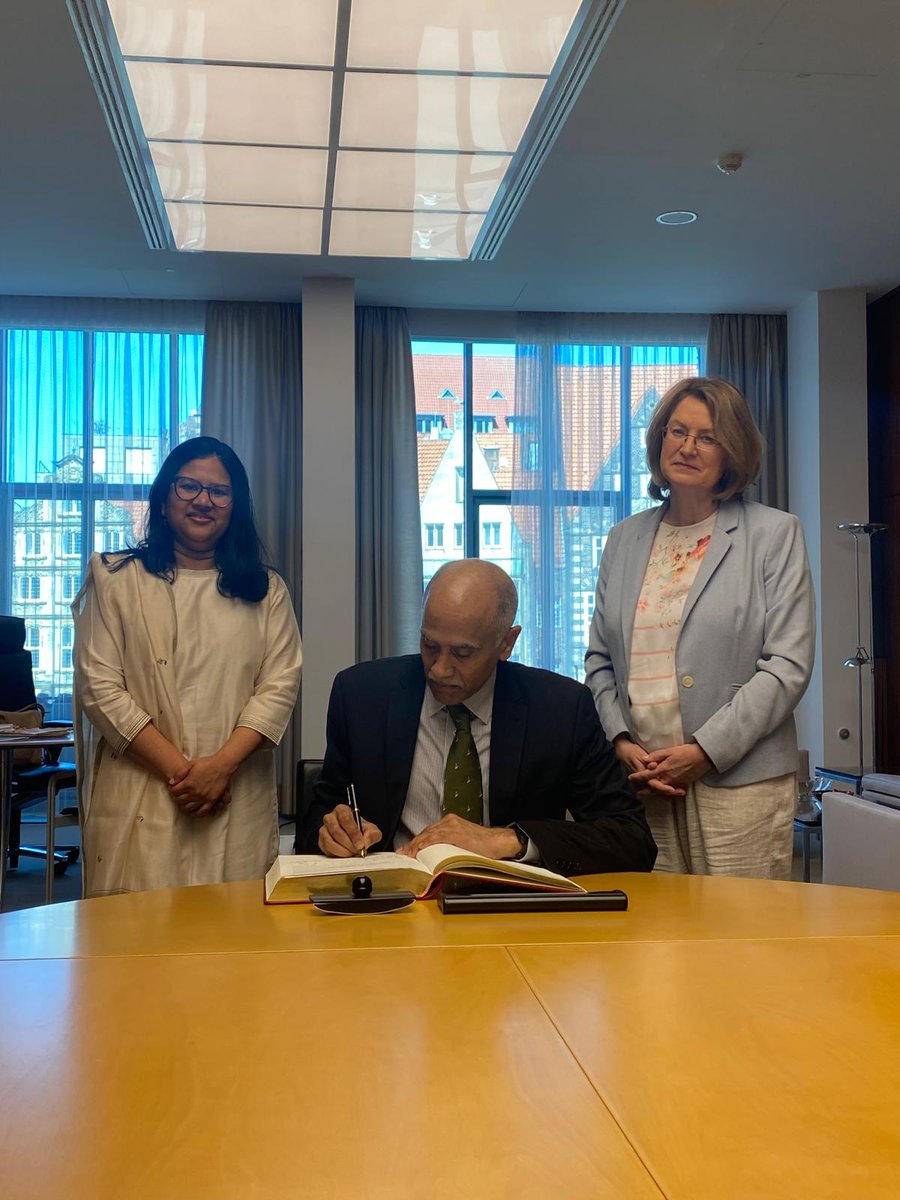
{"x":425,"y":795}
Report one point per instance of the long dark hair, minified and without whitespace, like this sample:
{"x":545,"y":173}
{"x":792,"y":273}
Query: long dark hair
{"x":239,"y":553}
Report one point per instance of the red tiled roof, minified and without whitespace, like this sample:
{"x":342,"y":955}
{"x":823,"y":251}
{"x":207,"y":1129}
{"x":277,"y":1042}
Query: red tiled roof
{"x":591,"y":426}
{"x":431,"y":452}
{"x":436,"y":373}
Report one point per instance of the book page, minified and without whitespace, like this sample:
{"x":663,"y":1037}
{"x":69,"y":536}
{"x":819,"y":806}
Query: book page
{"x":292,"y":877}
{"x":453,"y":859}
{"x":296,"y":866}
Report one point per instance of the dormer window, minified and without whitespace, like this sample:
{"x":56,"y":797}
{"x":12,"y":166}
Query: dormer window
{"x":427,"y":423}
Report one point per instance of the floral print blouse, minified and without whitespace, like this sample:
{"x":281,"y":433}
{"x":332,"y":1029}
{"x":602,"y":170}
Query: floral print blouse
{"x":652,"y":687}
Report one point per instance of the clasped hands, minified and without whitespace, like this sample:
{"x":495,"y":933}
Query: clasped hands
{"x":666,"y":772}
{"x":201,"y":786}
{"x":339,"y":836}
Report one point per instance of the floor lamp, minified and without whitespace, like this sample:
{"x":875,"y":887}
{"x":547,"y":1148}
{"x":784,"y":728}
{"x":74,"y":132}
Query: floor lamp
{"x":861,"y":658}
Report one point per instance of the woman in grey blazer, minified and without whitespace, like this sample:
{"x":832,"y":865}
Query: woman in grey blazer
{"x":702,"y":643}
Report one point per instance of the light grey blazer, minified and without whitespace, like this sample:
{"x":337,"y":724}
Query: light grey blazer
{"x":746,"y":645}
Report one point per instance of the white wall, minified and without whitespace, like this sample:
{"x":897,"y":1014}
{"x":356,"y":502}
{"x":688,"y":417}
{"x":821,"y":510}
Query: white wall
{"x":829,"y":481}
{"x":328,"y":619}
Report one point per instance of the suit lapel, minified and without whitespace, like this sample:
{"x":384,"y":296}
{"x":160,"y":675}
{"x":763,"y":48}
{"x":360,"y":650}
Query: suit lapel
{"x":727,"y":521}
{"x":403,"y":708}
{"x":635,"y":568}
{"x":508,"y":723}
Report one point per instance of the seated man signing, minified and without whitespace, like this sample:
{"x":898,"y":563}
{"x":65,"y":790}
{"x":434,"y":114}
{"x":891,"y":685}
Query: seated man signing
{"x":489,"y":756}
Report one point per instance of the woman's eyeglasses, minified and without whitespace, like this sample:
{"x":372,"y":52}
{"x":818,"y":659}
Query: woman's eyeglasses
{"x":189,"y":489}
{"x":703,"y":441}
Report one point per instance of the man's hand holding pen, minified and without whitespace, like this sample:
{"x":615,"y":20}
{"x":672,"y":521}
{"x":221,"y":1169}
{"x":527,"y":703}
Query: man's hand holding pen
{"x":341,"y":837}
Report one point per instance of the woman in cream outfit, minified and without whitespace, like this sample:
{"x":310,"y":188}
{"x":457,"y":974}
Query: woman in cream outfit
{"x":187,"y":666}
{"x":702,"y":643}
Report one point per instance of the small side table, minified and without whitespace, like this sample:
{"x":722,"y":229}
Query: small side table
{"x":806,"y":829}
{"x":841,"y":777}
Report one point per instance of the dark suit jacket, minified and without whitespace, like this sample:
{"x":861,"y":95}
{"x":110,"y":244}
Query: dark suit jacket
{"x":548,"y":754}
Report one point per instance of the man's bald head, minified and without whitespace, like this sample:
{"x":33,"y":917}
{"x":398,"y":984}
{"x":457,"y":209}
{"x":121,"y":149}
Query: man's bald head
{"x":466,"y":627}
{"x":476,"y":586}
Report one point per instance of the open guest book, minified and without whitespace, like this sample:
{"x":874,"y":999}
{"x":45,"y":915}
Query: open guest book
{"x":292,"y":877}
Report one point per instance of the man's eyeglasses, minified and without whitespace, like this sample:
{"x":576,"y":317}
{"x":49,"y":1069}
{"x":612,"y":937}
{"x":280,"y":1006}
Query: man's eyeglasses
{"x":703,"y":441}
{"x":189,"y":489}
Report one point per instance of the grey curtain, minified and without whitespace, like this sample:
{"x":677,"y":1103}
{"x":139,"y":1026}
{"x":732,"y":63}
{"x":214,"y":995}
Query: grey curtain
{"x":750,"y":351}
{"x":389,"y":537}
{"x":252,"y":399}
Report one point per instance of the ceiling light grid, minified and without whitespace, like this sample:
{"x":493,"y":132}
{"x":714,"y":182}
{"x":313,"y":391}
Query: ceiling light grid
{"x":346,"y":127}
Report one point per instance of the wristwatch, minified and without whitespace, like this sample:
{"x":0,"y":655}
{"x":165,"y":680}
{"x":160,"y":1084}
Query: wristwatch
{"x":523,"y":841}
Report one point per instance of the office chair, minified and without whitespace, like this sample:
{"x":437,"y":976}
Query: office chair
{"x":308,"y":772}
{"x":37,"y":775}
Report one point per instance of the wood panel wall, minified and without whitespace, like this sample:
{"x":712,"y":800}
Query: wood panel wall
{"x":884,"y":505}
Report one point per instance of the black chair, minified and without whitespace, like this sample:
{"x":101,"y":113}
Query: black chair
{"x":308,"y":772}
{"x":32,"y":781}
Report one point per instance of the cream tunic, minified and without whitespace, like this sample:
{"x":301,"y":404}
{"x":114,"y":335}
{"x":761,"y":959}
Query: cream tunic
{"x":198,"y":664}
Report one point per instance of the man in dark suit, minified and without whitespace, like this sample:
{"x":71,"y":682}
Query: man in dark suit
{"x":489,"y":756}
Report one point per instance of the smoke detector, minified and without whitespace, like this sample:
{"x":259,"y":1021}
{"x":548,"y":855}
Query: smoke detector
{"x":729,"y":163}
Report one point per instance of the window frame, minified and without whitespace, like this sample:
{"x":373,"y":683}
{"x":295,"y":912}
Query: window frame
{"x":76,"y":503}
{"x":620,"y":500}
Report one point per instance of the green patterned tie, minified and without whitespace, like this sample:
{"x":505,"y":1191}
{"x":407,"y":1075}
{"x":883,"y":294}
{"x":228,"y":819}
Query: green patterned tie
{"x":462,"y":774}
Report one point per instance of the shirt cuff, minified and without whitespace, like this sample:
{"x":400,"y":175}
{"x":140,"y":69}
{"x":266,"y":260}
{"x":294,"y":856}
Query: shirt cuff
{"x":531,"y":855}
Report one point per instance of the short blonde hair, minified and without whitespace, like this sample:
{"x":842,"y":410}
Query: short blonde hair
{"x":732,"y":424}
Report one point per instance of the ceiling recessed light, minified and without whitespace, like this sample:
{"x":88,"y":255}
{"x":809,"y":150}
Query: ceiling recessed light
{"x":676,"y":217}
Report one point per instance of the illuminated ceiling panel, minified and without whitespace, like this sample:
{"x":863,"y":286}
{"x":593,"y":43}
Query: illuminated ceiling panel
{"x":437,"y":112}
{"x":256,"y":105}
{"x":300,"y":32}
{"x":240,"y":174}
{"x":253,"y":230}
{"x":404,"y":235}
{"x":452,"y":182}
{"x":503,"y":37}
{"x":395,"y":128}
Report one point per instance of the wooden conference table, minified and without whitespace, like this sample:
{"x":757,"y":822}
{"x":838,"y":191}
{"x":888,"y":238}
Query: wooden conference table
{"x":722,"y":1039}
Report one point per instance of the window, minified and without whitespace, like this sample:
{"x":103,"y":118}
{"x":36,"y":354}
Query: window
{"x":32,"y":636}
{"x":434,"y":536}
{"x":490,"y":533}
{"x":140,"y":464}
{"x":86,"y":419}
{"x":66,"y":648}
{"x":488,"y":477}
{"x":35,"y":660}
{"x":429,"y":423}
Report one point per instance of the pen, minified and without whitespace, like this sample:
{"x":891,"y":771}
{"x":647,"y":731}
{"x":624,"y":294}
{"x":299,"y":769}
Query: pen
{"x":351,"y":799}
